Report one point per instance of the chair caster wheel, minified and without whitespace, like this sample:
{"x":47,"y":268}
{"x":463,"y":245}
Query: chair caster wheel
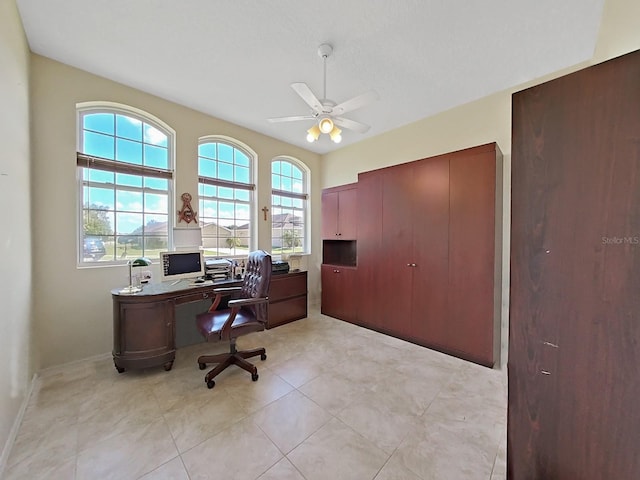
{"x":202,"y":366}
{"x":263,"y":357}
{"x":211,"y":384}
{"x":254,"y":377}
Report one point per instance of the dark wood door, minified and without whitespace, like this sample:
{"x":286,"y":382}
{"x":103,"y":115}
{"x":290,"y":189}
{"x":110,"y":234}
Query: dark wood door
{"x":396,"y":256}
{"x":472,"y":254}
{"x":430,"y":250}
{"x":338,"y":299}
{"x":574,"y":340}
{"x":347,"y":214}
{"x":330,"y":215}
{"x":371,"y":285}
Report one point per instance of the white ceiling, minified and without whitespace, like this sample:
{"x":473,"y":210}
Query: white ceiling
{"x":235,"y":59}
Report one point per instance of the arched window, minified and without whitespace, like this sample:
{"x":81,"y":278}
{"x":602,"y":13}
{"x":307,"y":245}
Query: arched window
{"x":226,"y":196}
{"x":289,"y":206}
{"x":125,"y":181}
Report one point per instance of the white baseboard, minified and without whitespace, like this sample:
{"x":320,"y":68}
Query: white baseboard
{"x":11,"y":440}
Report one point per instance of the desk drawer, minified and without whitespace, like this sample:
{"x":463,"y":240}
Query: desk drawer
{"x":287,"y":286}
{"x":287,"y":311}
{"x":195,"y":297}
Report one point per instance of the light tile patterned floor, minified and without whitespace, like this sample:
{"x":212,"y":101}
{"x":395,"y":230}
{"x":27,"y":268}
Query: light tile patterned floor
{"x":334,"y":401}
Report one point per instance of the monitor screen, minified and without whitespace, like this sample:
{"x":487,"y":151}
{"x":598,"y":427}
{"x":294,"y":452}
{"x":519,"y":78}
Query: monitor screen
{"x":180,"y":264}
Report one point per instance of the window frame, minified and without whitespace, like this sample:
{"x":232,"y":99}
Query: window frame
{"x":84,"y":160}
{"x":250,"y":187}
{"x":305,"y":196}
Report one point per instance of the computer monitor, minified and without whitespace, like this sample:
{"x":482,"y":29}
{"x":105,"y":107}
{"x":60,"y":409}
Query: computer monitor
{"x":181,"y":264}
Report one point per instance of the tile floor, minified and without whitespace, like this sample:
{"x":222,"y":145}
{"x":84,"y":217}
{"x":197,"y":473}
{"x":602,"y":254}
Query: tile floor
{"x":334,"y":401}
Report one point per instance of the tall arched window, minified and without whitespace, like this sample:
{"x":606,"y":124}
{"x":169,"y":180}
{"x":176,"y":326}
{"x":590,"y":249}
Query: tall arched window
{"x":125,"y":182}
{"x":226,"y":196}
{"x":289,"y":206}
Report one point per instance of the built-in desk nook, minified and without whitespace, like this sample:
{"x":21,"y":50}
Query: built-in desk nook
{"x":144,"y":323}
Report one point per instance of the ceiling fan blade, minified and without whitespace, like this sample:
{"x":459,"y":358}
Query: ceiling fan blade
{"x":294,"y":118}
{"x":307,"y":95}
{"x":351,"y":124}
{"x":356,"y":102}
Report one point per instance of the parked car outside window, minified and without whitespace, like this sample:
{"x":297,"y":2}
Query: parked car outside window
{"x":93,"y":248}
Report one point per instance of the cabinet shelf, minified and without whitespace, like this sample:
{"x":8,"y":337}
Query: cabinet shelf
{"x":339,"y":252}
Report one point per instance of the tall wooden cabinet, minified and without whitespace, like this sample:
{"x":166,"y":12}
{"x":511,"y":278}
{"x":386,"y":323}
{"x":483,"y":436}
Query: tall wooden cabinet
{"x":339,"y":252}
{"x":426,"y":252}
{"x":574,"y":335}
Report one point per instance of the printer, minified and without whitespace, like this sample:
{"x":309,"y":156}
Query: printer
{"x":279,"y":267}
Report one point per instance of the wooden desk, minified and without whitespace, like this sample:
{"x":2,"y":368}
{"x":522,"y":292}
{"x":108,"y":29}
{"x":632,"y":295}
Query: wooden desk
{"x":144,"y":326}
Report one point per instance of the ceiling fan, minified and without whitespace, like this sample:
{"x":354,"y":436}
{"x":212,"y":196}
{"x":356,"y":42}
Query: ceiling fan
{"x":325,"y":111}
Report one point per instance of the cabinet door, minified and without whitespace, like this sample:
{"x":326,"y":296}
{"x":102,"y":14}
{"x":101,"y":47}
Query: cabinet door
{"x":472,"y":256}
{"x":574,"y":331}
{"x":338,"y":296}
{"x":143,"y":332}
{"x":347,"y":214}
{"x":396,"y":255}
{"x":329,"y":215}
{"x":430,"y":251}
{"x":372,"y":285}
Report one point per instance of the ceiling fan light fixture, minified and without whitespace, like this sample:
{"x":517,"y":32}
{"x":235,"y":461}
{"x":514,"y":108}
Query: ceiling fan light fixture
{"x":313,"y":134}
{"x":335,"y":135}
{"x":326,"y":125}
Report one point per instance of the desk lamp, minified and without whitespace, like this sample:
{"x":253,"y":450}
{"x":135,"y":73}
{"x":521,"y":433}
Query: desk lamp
{"x":138,"y":262}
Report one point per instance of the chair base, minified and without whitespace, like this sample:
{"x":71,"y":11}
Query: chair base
{"x":234,"y":357}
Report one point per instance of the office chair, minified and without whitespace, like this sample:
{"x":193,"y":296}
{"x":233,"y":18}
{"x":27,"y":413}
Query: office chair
{"x":247,"y":313}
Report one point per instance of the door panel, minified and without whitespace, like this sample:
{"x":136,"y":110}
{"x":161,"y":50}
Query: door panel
{"x":347,"y":214}
{"x":472,"y":255}
{"x":576,"y":276}
{"x":329,"y":215}
{"x":370,"y":283}
{"x":430,"y":249}
{"x":397,"y":248}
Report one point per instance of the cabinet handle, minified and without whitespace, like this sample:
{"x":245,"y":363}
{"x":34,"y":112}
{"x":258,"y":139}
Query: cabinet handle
{"x":336,"y":271}
{"x":411,"y":265}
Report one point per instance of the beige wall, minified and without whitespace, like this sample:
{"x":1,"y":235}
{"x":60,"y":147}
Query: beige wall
{"x":73,"y":306}
{"x":15,"y":232}
{"x":485,"y":120}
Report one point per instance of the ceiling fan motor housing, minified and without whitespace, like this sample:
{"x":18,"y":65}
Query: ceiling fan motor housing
{"x":325,"y":50}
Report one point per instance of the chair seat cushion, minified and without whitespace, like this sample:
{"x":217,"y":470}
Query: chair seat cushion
{"x":210,"y":324}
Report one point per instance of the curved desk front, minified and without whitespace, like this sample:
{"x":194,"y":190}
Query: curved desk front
{"x":144,"y":326}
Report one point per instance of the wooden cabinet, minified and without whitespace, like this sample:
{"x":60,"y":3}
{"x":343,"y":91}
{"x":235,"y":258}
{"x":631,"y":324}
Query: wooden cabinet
{"x":143,"y":333}
{"x":410,"y":253}
{"x":338,"y":292}
{"x":426,"y":252}
{"x":287,"y":298}
{"x":574,"y":329}
{"x":339,"y":212}
{"x":339,"y":251}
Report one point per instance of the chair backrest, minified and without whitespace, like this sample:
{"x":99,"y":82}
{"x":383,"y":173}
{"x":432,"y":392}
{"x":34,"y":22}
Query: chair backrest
{"x":257,"y":277}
